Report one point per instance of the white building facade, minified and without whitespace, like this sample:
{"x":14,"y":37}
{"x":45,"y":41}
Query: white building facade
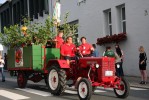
{"x":98,"y":18}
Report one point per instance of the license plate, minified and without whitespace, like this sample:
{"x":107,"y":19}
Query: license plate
{"x":108,"y":73}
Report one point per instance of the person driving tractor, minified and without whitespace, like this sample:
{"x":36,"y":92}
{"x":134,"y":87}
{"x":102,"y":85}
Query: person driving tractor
{"x":68,"y":49}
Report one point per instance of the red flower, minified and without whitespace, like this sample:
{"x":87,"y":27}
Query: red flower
{"x":112,"y":39}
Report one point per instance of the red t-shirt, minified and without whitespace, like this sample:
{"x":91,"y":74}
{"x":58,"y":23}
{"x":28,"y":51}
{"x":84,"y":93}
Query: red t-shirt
{"x":68,"y":50}
{"x":85,"y":49}
{"x":59,"y":41}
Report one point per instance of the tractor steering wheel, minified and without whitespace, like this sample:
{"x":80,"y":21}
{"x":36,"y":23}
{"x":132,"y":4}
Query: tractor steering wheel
{"x":79,"y":54}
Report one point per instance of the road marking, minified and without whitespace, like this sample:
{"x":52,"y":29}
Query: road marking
{"x":70,"y":92}
{"x":12,"y":96}
{"x":99,"y":91}
{"x":37,"y":92}
{"x":133,"y":88}
{"x":75,"y":92}
{"x":111,"y":89}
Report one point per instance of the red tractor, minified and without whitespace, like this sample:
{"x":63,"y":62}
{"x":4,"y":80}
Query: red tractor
{"x":87,"y":73}
{"x":37,"y":62}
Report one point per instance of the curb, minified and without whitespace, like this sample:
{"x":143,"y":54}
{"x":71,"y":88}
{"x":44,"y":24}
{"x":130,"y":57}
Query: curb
{"x":140,"y":86}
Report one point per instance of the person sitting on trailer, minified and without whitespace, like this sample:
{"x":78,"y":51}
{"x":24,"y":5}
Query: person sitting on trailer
{"x":68,"y":49}
{"x":85,"y":48}
{"x":59,"y":39}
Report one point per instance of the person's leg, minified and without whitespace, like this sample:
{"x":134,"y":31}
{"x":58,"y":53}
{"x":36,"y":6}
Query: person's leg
{"x":142,"y":79}
{"x":117,"y":69}
{"x":68,"y":61}
{"x":67,"y":58}
{"x":3,"y":76}
{"x":1,"y":71}
{"x":144,"y":75}
{"x":122,"y":69}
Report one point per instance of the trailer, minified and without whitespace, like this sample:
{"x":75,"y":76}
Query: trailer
{"x":30,"y":63}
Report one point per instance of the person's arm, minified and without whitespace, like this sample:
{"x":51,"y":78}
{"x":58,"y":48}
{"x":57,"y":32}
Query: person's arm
{"x":103,"y":53}
{"x":62,"y":50}
{"x":97,"y":53}
{"x":145,"y":58}
{"x":80,"y":49}
{"x":91,"y":47}
{"x":122,"y":57}
{"x":2,"y":61}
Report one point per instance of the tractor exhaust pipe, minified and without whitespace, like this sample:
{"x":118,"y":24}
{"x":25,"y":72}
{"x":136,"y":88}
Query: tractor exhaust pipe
{"x":89,"y":73}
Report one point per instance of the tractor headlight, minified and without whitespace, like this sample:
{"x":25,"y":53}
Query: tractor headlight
{"x":118,"y":66}
{"x":97,"y":65}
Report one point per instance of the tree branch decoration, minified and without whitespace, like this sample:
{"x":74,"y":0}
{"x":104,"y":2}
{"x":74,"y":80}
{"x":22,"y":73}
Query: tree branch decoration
{"x":36,"y":33}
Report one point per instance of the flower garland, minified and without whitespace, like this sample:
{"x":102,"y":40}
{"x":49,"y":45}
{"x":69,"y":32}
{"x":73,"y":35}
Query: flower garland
{"x":116,"y":38}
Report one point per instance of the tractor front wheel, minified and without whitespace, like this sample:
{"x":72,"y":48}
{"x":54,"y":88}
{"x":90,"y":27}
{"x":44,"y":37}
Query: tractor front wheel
{"x":122,"y":89}
{"x":84,"y":89}
{"x":21,"y":80}
{"x":56,"y":80}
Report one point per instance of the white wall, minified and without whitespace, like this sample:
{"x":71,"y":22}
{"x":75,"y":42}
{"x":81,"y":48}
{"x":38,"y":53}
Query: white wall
{"x":90,"y":15}
{"x":91,"y":25}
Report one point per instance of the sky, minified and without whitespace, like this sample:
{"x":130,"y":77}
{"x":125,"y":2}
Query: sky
{"x":2,"y":1}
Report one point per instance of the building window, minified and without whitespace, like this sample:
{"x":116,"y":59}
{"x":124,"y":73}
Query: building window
{"x":76,"y":39}
{"x":108,"y":22}
{"x":2,"y":22}
{"x":46,"y":6}
{"x":31,"y":9}
{"x":74,"y":27}
{"x":14,"y":14}
{"x":121,"y":18}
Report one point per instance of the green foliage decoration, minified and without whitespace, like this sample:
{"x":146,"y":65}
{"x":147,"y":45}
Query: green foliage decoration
{"x":36,"y":33}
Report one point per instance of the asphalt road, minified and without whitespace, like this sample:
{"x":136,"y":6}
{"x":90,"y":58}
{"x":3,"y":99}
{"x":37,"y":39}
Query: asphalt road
{"x":10,"y":91}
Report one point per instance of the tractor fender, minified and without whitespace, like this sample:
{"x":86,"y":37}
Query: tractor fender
{"x":61,"y":63}
{"x":76,"y":84}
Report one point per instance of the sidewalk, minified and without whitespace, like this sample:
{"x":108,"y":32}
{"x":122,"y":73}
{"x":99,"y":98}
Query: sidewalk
{"x":134,"y":82}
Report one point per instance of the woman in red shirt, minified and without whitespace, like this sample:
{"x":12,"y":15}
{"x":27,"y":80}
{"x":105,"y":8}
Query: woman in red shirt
{"x":68,"y":50}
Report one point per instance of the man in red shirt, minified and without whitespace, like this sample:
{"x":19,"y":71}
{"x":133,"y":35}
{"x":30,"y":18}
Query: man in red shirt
{"x":58,"y":39}
{"x":85,"y":48}
{"x":68,"y":50}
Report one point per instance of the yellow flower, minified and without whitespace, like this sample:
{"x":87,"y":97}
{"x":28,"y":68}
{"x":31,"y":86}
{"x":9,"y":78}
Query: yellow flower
{"x":24,"y":28}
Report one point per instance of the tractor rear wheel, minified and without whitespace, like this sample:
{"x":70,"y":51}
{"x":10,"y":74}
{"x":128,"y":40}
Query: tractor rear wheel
{"x":123,"y":92}
{"x":84,"y":89}
{"x":21,"y":80}
{"x":56,"y":80}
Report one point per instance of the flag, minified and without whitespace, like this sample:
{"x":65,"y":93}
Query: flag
{"x":57,"y":11}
